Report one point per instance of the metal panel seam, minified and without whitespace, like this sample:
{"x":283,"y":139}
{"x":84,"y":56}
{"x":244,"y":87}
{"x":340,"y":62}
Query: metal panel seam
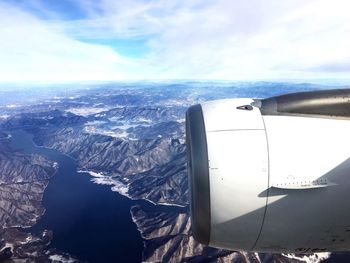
{"x":268,"y":185}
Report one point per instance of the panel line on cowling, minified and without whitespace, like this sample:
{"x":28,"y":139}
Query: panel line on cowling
{"x":268,"y":186}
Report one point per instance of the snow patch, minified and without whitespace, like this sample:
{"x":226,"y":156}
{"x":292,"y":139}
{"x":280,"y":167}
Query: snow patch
{"x":94,"y":174}
{"x":120,"y":188}
{"x":102,"y":179}
{"x":114,"y":134}
{"x":59,"y":258}
{"x":10,"y":245}
{"x":12,"y":106}
{"x":85,"y":111}
{"x":314,"y":258}
{"x":145,"y":120}
{"x":116,"y":185}
{"x":4,"y":116}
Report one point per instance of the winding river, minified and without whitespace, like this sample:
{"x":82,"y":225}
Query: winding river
{"x":88,"y":221}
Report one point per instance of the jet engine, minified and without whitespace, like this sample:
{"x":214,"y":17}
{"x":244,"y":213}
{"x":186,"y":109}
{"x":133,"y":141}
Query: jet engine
{"x":271,"y":175}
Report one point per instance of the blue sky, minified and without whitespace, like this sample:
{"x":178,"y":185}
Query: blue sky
{"x":74,"y":40}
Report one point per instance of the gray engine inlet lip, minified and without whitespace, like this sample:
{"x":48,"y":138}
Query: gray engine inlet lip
{"x":198,"y":174}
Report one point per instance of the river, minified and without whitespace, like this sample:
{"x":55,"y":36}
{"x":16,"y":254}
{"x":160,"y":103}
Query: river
{"x":88,"y":221}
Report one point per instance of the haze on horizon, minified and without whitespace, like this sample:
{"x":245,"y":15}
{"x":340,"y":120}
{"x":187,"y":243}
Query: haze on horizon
{"x":87,"y":40}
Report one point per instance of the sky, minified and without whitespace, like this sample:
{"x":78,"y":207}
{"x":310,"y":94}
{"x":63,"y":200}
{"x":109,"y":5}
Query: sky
{"x":84,"y":40}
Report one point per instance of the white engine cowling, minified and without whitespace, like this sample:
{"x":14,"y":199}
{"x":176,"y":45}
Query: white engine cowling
{"x":271,"y":175}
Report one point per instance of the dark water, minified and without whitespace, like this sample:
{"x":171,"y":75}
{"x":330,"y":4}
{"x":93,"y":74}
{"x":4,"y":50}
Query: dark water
{"x":88,"y":221}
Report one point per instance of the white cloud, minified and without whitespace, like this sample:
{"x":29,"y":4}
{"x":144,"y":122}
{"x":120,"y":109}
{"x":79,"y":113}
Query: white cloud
{"x":215,"y":39}
{"x":256,"y":40}
{"x":30,"y":50}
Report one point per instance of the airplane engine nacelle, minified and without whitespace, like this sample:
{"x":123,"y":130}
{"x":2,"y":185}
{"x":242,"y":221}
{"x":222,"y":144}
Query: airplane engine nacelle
{"x":271,"y":175}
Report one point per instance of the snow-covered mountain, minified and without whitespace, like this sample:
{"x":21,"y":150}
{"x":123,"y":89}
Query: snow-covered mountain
{"x":131,"y":137}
